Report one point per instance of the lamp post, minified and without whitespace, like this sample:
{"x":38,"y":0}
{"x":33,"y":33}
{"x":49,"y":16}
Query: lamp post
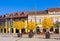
{"x":11,"y":25}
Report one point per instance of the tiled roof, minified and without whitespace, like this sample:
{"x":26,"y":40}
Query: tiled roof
{"x":20,"y":14}
{"x":15,"y":15}
{"x":54,"y":10}
{"x":39,"y":12}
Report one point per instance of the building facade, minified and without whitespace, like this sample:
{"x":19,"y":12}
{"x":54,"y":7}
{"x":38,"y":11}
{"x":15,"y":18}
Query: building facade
{"x":52,"y":13}
{"x":7,"y":20}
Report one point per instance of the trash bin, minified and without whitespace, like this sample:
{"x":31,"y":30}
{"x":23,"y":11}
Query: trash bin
{"x":47,"y":35}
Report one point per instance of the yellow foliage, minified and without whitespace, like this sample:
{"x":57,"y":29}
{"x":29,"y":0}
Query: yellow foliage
{"x":18,"y":24}
{"x":47,"y":23}
{"x":31,"y":25}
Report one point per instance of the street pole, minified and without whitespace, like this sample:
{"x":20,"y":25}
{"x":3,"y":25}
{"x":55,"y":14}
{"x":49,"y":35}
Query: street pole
{"x":6,"y":24}
{"x":11,"y":25}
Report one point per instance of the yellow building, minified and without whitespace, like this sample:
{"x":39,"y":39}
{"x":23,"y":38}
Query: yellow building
{"x":7,"y":21}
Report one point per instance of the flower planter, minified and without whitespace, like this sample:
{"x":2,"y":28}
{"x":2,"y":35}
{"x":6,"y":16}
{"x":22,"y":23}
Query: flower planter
{"x":19,"y":35}
{"x":31,"y":34}
{"x":47,"y":35}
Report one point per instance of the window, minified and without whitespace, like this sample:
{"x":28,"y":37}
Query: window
{"x":11,"y":22}
{"x":35,"y":18}
{"x":39,"y":20}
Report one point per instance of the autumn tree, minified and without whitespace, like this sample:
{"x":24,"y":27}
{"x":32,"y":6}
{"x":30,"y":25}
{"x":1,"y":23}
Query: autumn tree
{"x":18,"y":24}
{"x":31,"y":26}
{"x":47,"y":23}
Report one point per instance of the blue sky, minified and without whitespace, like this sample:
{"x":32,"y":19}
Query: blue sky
{"x":10,"y":6}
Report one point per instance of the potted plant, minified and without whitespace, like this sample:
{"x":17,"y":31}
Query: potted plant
{"x":19,"y":35}
{"x":47,"y":35}
{"x":46,"y":24}
{"x":31,"y":27}
{"x":31,"y":34}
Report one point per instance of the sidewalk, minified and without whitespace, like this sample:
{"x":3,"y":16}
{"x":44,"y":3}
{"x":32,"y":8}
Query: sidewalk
{"x":13,"y":37}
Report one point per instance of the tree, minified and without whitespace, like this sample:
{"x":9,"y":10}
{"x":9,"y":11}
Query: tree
{"x":18,"y":24}
{"x":47,"y":23}
{"x":31,"y":26}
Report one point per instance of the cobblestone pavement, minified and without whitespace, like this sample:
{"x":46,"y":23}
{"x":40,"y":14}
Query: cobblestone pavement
{"x":13,"y":37}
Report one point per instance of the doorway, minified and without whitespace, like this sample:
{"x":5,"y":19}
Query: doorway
{"x":57,"y":29}
{"x":37,"y":29}
{"x":44,"y":30}
{"x":23,"y":30}
{"x":17,"y":31}
{"x":51,"y":29}
{"x":12,"y":30}
{"x":4,"y":30}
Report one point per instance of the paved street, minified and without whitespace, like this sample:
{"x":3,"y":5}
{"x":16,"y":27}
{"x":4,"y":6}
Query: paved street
{"x":13,"y":37}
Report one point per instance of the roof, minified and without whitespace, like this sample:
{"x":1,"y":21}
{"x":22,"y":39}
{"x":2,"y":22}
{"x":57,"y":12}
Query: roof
{"x":54,"y":10}
{"x":38,"y":12}
{"x":15,"y":15}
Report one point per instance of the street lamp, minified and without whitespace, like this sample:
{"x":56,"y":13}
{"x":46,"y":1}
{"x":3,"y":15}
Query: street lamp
{"x":11,"y":24}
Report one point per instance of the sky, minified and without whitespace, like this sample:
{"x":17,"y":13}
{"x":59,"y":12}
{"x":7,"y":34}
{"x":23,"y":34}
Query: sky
{"x":11,"y":6}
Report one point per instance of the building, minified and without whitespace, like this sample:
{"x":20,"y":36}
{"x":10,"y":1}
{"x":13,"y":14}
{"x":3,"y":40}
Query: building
{"x":6,"y":21}
{"x":38,"y":16}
